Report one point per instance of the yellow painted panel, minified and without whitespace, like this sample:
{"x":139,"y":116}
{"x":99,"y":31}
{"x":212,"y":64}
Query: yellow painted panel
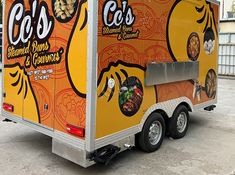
{"x":182,"y":25}
{"x":19,"y":93}
{"x":77,"y":55}
{"x":153,"y":31}
{"x":110,"y":119}
{"x":13,"y":76}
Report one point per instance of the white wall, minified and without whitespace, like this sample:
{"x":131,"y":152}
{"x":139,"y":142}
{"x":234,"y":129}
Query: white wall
{"x":227,"y":27}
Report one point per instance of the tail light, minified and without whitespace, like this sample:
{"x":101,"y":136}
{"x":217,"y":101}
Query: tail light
{"x":8,"y":107}
{"x":80,"y":132}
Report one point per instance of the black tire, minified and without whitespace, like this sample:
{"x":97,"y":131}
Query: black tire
{"x":142,"y":139}
{"x":173,"y":130}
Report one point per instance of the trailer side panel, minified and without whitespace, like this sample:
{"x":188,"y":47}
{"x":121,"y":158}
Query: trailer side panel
{"x":134,"y":34}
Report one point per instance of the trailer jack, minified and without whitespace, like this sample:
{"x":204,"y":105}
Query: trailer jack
{"x":210,"y":108}
{"x":7,"y":120}
{"x":105,"y":155}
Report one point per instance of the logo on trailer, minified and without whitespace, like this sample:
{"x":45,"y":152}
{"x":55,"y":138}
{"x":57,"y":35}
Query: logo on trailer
{"x":119,"y":20}
{"x":28,"y":32}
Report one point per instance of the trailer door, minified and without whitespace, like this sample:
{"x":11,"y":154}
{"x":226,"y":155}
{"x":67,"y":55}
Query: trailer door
{"x":13,"y":73}
{"x":38,"y":100}
{"x":29,"y":59}
{"x":38,"y":103}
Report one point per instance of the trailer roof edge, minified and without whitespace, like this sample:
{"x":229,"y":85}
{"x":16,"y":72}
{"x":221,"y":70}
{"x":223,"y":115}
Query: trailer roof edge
{"x":214,"y":1}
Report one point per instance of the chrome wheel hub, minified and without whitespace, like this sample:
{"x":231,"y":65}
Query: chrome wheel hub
{"x":155,"y":132}
{"x":182,"y":122}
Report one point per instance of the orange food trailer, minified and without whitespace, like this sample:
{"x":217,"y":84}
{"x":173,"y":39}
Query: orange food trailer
{"x":103,"y":76}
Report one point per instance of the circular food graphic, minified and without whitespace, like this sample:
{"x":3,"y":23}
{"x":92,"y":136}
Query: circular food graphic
{"x":146,"y":22}
{"x":69,"y":106}
{"x":130,"y":96}
{"x":211,"y":84}
{"x":64,"y":10}
{"x":193,"y":46}
{"x":209,"y":41}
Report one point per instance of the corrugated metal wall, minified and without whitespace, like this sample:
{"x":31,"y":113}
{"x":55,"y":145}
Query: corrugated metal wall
{"x":227,"y":54}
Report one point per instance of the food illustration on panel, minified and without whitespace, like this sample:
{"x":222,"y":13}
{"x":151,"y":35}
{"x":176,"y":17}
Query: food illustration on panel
{"x":123,"y":27}
{"x":39,"y":55}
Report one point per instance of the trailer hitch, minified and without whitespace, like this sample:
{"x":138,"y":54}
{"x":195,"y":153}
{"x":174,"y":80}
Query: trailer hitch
{"x":105,"y":155}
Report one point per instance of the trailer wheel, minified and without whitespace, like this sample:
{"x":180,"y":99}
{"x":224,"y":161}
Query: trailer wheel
{"x":152,"y":134}
{"x":178,"y":123}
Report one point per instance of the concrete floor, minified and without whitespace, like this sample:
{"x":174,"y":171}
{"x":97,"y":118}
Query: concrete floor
{"x":208,"y":148}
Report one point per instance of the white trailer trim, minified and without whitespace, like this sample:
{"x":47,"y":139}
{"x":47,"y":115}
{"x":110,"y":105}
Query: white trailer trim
{"x":3,"y":52}
{"x":79,"y":143}
{"x":167,"y":106}
{"x":91,"y":75}
{"x":214,"y":2}
{"x":205,"y":104}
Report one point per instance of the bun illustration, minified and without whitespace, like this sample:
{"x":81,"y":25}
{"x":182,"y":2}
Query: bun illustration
{"x":192,"y":26}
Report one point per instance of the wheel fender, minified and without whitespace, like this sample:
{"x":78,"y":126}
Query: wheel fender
{"x":168,"y":107}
